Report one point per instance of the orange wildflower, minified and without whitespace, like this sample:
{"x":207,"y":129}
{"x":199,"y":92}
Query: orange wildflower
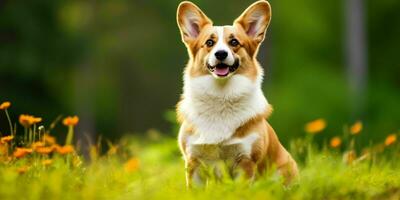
{"x":6,"y":139}
{"x":356,"y":128}
{"x":44,"y":150}
{"x":28,"y":120}
{"x":67,"y":149}
{"x":21,"y":152}
{"x":49,"y":139}
{"x":47,"y":162}
{"x":71,"y":120}
{"x":390,"y":139}
{"x":36,"y":120}
{"x":131,"y":165}
{"x":23,"y":169}
{"x":335,"y":142}
{"x":5,"y":159}
{"x":37,"y":145}
{"x":3,"y":150}
{"x":5,"y":105}
{"x":315,"y":126}
{"x":24,"y":120}
{"x":55,"y":147}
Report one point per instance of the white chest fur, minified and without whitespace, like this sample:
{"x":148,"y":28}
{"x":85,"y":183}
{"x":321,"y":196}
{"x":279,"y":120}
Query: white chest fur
{"x":218,"y":108}
{"x":228,"y":150}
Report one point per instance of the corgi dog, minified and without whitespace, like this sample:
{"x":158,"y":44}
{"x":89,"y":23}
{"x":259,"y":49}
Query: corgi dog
{"x":223,"y":110}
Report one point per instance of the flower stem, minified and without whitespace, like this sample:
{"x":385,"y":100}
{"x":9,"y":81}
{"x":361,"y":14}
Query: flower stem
{"x":9,"y":122}
{"x":70,"y":135}
{"x":25,"y":135}
{"x":30,"y":136}
{"x":34,"y":133}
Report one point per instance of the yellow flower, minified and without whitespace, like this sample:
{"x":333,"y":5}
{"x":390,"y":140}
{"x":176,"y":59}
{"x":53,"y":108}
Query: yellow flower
{"x":28,"y":120}
{"x":71,"y":121}
{"x":47,"y":162}
{"x":356,"y":128}
{"x":6,"y":139}
{"x":5,"y":105}
{"x":93,"y":152}
{"x":349,"y":157}
{"x":335,"y":142}
{"x":113,"y":150}
{"x":390,"y":139}
{"x":21,"y":152}
{"x":131,"y":165}
{"x":76,"y":161}
{"x":315,"y":126}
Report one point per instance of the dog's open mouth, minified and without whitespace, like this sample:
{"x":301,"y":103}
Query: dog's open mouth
{"x":222,"y":69}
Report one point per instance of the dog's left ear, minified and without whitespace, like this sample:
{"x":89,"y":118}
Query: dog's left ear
{"x":255,"y":20}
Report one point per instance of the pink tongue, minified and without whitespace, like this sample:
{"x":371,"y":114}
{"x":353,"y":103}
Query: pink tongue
{"x":222,"y":71}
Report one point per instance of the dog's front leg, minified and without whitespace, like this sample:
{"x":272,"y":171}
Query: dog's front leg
{"x":246,"y":166}
{"x":193,"y":174}
{"x":287,"y":167}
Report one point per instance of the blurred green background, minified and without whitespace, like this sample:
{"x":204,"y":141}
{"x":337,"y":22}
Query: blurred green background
{"x":118,"y":64}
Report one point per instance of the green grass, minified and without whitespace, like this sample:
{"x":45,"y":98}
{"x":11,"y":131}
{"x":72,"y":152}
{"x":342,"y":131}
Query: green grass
{"x":151,"y":167}
{"x":160,"y":175}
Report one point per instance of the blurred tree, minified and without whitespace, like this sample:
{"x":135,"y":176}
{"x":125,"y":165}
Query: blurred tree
{"x":118,"y":64}
{"x":356,"y":55}
{"x":37,"y":57}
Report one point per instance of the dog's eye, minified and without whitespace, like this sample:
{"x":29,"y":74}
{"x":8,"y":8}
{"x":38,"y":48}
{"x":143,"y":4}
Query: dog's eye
{"x":234,"y":42}
{"x":210,"y":42}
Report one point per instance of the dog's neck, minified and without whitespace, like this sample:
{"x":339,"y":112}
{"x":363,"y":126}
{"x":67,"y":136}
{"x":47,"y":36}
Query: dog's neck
{"x":216,"y":108}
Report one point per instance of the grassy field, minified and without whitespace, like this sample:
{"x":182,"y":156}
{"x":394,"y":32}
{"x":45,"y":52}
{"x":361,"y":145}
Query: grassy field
{"x":35,"y":166}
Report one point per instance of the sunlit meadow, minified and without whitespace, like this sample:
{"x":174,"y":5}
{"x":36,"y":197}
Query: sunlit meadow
{"x":34,"y":165}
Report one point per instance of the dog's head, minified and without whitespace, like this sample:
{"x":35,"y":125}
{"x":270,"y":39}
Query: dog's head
{"x":223,"y":50}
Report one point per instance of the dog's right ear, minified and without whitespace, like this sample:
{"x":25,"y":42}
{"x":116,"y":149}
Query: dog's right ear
{"x":191,"y":20}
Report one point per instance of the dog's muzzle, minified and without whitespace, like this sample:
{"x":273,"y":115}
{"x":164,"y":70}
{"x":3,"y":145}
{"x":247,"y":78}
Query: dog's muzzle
{"x":222,"y":69}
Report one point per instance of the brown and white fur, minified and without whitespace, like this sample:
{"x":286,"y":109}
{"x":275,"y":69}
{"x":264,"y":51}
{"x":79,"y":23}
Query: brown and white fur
{"x":223,"y":110}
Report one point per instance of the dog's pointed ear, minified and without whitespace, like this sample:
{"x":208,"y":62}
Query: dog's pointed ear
{"x":191,"y":20}
{"x":255,"y":20}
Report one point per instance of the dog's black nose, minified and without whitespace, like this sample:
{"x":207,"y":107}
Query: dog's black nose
{"x":221,"y":55}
